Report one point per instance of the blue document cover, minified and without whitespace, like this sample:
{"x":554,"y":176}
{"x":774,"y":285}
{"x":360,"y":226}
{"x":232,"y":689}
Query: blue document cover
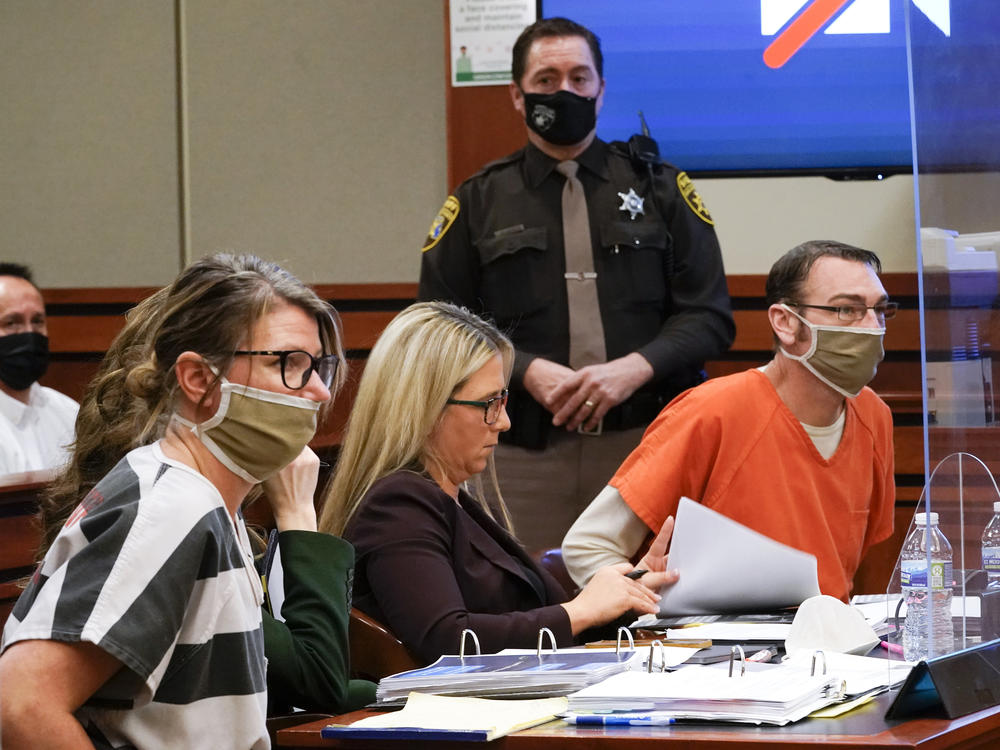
{"x":405,"y":733}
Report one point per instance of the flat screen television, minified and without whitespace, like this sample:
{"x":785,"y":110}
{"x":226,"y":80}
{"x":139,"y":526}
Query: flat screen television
{"x":739,"y":87}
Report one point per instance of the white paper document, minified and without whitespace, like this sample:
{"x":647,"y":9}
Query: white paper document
{"x":773,"y":694}
{"x":726,"y":567}
{"x":745,"y":632}
{"x":861,"y":674}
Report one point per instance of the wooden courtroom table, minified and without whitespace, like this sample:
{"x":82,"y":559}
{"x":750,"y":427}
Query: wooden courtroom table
{"x":864,"y":727}
{"x":18,"y":533}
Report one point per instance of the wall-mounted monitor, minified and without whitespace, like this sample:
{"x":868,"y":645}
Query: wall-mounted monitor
{"x":799,"y":86}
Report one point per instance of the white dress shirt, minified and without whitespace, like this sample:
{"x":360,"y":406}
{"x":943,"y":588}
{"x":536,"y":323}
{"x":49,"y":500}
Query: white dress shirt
{"x":36,"y":435}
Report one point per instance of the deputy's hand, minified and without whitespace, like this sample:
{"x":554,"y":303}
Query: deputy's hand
{"x":586,"y":396}
{"x":542,"y":377}
{"x":290,"y":493}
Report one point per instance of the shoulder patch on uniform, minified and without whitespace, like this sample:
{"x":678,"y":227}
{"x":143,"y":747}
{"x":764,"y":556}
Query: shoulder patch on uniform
{"x":691,"y":197}
{"x":442,"y":222}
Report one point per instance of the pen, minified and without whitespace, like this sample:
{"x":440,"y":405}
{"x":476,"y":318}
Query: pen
{"x":636,"y":574}
{"x":609,"y":720}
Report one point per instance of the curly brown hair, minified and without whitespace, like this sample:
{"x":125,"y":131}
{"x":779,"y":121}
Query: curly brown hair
{"x":210,"y":308}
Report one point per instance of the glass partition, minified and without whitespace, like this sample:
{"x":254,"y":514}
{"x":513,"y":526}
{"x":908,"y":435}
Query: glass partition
{"x":954,"y":60}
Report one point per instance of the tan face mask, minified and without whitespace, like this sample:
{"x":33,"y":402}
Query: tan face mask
{"x":255,"y":433}
{"x":843,"y":357}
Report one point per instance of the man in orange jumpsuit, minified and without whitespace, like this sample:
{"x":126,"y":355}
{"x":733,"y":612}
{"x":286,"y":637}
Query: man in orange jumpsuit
{"x":799,"y":450}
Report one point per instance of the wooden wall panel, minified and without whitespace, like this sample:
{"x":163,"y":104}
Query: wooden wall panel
{"x":84,"y":321}
{"x":877,"y":566}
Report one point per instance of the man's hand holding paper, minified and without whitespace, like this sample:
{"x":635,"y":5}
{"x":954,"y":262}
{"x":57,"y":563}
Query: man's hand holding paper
{"x":728,"y":567}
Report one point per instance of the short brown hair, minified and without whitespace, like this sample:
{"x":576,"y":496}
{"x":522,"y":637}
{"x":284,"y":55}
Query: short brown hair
{"x":790,"y":271}
{"x":546,"y":27}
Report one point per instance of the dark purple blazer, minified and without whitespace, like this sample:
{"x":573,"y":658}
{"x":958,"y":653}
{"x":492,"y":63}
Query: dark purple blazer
{"x":427,"y":568}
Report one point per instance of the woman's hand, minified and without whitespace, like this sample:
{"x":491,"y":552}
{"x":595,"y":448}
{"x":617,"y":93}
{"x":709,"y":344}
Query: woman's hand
{"x":609,"y":594}
{"x":290,"y":493}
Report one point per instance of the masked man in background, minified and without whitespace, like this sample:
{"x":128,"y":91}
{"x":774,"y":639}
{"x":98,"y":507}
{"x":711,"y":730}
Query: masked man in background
{"x":602,"y":265}
{"x":799,"y":450}
{"x":36,"y":423}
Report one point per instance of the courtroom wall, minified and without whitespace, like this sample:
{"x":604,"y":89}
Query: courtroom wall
{"x":138,"y":135}
{"x":89,"y":155}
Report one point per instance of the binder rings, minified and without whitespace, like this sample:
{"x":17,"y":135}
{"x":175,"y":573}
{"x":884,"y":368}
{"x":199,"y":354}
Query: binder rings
{"x":770,"y":694}
{"x":542,"y":673}
{"x":763,"y":694}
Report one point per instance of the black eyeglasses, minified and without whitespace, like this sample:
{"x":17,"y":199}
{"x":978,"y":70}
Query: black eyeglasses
{"x":491,"y":407}
{"x":298,"y":366}
{"x":848,"y":313}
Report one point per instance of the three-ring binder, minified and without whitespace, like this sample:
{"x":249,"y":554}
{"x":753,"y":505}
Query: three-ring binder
{"x":461,"y":643}
{"x":737,"y":649}
{"x":542,"y":632}
{"x":628,"y":635}
{"x":663,"y":659}
{"x":817,"y":653}
{"x":544,"y":670}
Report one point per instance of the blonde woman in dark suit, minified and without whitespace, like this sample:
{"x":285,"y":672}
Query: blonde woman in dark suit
{"x":433,"y":557}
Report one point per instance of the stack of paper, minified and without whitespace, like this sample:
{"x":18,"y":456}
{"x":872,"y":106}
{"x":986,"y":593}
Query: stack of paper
{"x":861,"y":674}
{"x":435,"y":717}
{"x":769,"y":695}
{"x":507,"y":674}
{"x":739,"y":632}
{"x":708,"y":584}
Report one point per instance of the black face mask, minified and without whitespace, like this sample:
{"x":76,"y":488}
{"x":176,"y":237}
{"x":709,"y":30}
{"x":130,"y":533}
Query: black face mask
{"x":24,"y":358}
{"x":562,"y":118}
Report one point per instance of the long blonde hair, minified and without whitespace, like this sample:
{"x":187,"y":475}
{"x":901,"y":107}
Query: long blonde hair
{"x":210,"y":308}
{"x":421,"y":359}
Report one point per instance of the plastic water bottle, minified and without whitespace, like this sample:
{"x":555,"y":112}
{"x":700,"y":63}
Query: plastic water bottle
{"x":991,"y":549}
{"x":928,"y":597}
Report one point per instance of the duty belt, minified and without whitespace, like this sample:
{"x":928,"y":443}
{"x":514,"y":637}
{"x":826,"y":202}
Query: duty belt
{"x":637,"y":411}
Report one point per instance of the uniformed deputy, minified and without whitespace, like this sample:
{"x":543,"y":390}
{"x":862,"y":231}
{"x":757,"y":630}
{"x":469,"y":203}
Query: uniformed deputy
{"x":658,"y":305}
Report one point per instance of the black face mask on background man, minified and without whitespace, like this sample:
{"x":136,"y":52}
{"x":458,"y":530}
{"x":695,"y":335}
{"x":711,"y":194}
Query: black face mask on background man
{"x":24,"y":358}
{"x":562,"y":118}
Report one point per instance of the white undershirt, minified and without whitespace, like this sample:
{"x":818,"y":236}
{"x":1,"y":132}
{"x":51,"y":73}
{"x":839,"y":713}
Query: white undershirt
{"x":826,"y":439}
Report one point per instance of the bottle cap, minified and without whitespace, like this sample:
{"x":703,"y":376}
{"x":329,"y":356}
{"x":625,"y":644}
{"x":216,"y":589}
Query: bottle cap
{"x":920,"y":519}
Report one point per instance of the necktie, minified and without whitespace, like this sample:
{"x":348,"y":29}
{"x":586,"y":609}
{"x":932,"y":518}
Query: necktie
{"x":586,"y":331}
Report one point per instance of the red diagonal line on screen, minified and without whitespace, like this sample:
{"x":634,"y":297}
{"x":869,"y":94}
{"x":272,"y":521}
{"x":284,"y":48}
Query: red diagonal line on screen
{"x":800,"y":31}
